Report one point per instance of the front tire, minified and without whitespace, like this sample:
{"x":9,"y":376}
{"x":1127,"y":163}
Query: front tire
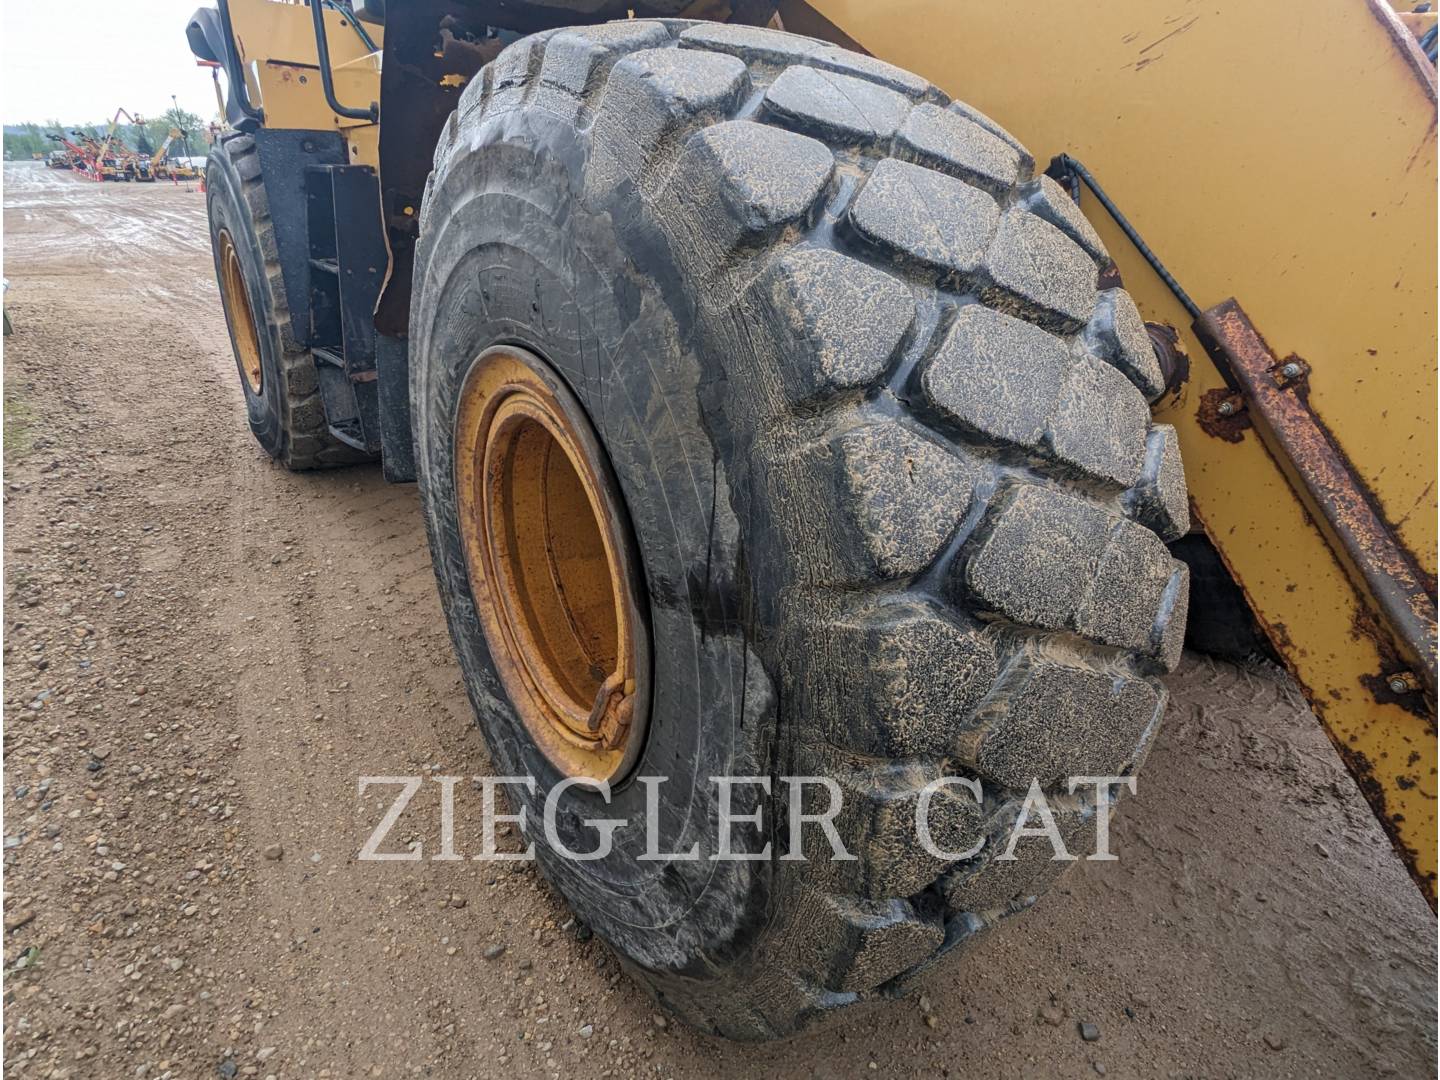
{"x":887,"y":457}
{"x":277,"y":375}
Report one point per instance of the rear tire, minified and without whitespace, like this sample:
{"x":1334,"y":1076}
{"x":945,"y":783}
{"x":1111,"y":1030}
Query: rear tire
{"x":282,"y":395}
{"x":889,"y":465}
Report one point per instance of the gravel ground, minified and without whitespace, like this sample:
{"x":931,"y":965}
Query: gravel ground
{"x":203,"y":653}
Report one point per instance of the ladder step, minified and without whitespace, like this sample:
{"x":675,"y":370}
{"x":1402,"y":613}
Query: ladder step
{"x":350,"y":433}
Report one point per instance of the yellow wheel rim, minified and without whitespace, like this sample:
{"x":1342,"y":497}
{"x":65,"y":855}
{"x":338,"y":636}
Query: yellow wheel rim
{"x":237,"y":311}
{"x":551,"y":565}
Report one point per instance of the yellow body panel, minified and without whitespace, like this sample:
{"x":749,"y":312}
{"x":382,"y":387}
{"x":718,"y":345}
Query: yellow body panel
{"x":276,"y":41}
{"x":362,"y":144}
{"x":1289,"y":163}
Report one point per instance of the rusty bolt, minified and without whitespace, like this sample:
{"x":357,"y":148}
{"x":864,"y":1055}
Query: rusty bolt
{"x":613,"y":711}
{"x":1225,"y":408}
{"x":617,"y":723}
{"x":1291,"y":370}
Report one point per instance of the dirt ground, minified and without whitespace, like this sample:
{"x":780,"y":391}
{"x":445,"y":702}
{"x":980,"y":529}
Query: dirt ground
{"x":203,"y":653}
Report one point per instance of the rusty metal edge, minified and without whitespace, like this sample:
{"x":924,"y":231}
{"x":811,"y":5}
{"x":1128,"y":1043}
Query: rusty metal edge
{"x":1387,"y":579}
{"x":1375,"y":560}
{"x":1360,"y":767}
{"x":1404,"y":41}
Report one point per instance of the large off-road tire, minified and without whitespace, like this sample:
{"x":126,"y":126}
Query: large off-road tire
{"x":886,"y":453}
{"x":277,"y":375}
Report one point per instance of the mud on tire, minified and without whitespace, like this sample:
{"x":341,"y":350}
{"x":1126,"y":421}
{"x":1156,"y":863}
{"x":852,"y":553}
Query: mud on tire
{"x":286,"y":414}
{"x":888,"y":457}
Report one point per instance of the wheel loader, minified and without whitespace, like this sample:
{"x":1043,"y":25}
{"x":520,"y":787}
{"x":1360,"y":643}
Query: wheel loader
{"x":165,"y":167}
{"x":800,"y":390}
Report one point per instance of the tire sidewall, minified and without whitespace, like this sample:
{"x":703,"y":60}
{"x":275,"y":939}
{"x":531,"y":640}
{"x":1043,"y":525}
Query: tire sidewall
{"x":515,"y":252}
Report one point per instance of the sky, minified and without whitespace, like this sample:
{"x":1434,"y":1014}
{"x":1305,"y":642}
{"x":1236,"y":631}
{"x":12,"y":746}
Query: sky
{"x":77,"y":61}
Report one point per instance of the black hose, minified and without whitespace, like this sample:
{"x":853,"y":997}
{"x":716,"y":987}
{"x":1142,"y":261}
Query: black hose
{"x":1066,"y":169}
{"x":349,"y":13}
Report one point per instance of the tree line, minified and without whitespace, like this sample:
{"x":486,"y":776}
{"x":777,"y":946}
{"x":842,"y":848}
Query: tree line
{"x":31,"y":139}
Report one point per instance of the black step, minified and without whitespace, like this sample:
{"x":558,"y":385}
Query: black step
{"x":351,"y":434}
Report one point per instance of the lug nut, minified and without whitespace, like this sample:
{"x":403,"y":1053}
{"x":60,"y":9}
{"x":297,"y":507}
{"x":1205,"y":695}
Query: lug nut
{"x":1291,"y":370}
{"x":1225,"y":408}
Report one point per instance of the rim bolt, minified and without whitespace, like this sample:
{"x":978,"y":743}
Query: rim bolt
{"x":1225,"y":408}
{"x":1402,"y":683}
{"x":1291,"y":370}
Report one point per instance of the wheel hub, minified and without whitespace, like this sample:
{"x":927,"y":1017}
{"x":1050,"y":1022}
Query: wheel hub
{"x":551,"y":563}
